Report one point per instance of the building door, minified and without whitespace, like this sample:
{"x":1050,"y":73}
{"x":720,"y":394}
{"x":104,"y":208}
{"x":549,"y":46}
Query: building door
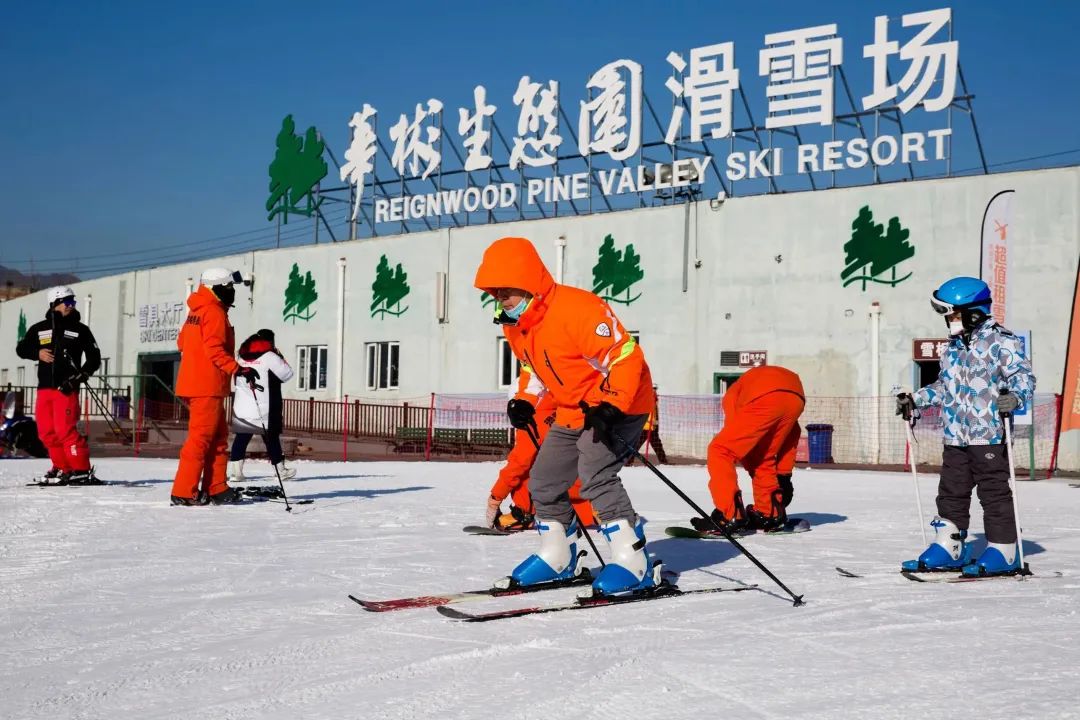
{"x":159,"y":384}
{"x":722,"y":380}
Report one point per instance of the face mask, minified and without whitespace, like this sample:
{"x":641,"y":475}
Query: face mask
{"x":956,"y":327}
{"x":515,"y":312}
{"x":225,"y":293}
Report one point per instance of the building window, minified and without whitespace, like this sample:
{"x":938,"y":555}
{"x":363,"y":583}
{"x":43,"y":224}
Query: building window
{"x":382,"y":365}
{"x":311,"y":364}
{"x":3,"y":377}
{"x":20,"y":376}
{"x":509,"y":366}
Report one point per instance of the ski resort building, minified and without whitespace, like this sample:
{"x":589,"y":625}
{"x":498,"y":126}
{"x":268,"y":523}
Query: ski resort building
{"x":833,"y":284}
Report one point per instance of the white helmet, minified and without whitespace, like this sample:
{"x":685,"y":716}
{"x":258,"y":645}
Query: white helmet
{"x":59,"y":293}
{"x":220,"y":276}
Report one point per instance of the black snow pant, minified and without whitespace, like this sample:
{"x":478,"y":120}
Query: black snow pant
{"x":981,"y":467}
{"x":271,"y":440}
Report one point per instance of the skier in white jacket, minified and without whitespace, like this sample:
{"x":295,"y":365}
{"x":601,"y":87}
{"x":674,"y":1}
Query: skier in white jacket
{"x":257,"y":409}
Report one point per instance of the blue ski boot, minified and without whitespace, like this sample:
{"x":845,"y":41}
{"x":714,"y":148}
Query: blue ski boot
{"x":629,"y":569}
{"x":996,"y":559}
{"x":949,"y":551}
{"x":557,"y":558}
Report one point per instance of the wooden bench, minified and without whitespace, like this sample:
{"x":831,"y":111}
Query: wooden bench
{"x":408,"y":440}
{"x":490,"y":441}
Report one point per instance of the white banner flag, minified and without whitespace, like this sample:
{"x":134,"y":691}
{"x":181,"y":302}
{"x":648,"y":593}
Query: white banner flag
{"x":997,"y":249}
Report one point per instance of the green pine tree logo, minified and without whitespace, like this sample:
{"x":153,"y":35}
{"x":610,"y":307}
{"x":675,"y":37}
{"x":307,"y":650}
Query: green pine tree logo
{"x":874,"y":245}
{"x":488,"y":299}
{"x":388,"y":290}
{"x":297,"y":168}
{"x":299,"y":296}
{"x":616,"y":271}
{"x":22,"y":325}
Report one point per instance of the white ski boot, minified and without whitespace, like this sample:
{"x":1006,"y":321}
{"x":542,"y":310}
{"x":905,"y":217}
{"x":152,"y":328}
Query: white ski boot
{"x":235,"y":471}
{"x":285,"y":473}
{"x":556,"y":560}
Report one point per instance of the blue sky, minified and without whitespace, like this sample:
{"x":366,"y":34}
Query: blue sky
{"x":144,"y":127}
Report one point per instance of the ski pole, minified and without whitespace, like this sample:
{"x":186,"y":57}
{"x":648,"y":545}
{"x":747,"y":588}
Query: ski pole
{"x":1006,"y":419}
{"x":915,"y":478}
{"x":798,"y":599}
{"x":288,"y":508}
{"x":536,"y":443}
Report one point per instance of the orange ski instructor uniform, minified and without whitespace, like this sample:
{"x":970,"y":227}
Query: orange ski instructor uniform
{"x":207,"y":346}
{"x":761,"y":431}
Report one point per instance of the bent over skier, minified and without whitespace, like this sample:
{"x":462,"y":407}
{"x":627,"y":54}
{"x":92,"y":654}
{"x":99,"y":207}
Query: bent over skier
{"x":984,"y":374}
{"x":579,"y":352}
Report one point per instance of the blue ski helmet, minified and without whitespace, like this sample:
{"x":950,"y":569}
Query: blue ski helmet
{"x":967,"y":295}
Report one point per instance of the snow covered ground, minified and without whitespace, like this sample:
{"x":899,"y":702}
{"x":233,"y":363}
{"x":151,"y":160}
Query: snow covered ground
{"x":116,"y":605}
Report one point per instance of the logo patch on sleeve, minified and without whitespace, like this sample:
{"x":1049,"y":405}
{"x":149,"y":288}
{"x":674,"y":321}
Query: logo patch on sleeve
{"x":603,"y":330}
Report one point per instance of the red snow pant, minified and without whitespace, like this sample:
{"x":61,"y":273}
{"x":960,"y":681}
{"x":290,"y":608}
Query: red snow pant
{"x":763,"y":434}
{"x":205,"y":455}
{"x":514,"y":478}
{"x":57,"y":416}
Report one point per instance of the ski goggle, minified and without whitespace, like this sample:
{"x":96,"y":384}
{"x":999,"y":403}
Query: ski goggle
{"x":945,"y":308}
{"x":69,"y":301}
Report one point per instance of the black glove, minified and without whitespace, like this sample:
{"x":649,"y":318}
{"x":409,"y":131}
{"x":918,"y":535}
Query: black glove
{"x":905,"y":406}
{"x":72,"y":383}
{"x":521,"y":413}
{"x":787,"y":490}
{"x":1007,"y":402}
{"x":249,"y":374}
{"x":602,"y":419}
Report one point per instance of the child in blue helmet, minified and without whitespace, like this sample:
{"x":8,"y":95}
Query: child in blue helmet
{"x":985,"y":374}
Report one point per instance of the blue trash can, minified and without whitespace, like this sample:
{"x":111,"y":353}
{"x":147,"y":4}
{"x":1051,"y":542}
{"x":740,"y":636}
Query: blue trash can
{"x":819,"y":440}
{"x":121,"y":407}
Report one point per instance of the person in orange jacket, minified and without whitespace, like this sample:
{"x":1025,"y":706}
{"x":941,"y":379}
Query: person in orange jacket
{"x":580,"y":354}
{"x":513,"y":479}
{"x":761,"y":431}
{"x":207,"y":367}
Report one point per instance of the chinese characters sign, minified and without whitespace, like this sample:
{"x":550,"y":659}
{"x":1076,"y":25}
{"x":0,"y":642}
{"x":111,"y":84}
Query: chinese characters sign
{"x":753,"y":358}
{"x":160,"y":322}
{"x":797,"y":66}
{"x":997,"y":232}
{"x":928,"y":348}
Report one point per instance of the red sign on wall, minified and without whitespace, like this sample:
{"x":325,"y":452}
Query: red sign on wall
{"x":928,"y":348}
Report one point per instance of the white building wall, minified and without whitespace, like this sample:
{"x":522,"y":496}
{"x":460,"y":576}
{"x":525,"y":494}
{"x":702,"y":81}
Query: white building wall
{"x":763,"y":273}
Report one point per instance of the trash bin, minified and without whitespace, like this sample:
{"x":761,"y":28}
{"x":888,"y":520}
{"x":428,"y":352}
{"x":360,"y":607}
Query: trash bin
{"x":121,"y":406}
{"x":820,"y":440}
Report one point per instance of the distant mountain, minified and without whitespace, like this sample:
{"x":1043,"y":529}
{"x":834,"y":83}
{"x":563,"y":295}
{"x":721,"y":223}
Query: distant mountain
{"x":37,"y":282}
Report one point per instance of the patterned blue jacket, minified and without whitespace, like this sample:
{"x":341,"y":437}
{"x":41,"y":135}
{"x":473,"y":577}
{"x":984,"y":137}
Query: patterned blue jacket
{"x":967,"y":387}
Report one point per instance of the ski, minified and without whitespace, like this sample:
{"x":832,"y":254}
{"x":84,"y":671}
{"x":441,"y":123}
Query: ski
{"x":482,"y":530}
{"x":664,"y":591}
{"x":421,"y":601}
{"x":791,"y":527}
{"x":952,"y":578}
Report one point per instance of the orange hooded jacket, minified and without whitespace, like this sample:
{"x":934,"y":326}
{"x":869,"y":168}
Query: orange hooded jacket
{"x":206,"y":345}
{"x":575,"y":347}
{"x":759,"y":381}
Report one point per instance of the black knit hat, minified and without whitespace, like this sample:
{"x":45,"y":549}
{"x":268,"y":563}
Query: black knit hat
{"x":266,"y":334}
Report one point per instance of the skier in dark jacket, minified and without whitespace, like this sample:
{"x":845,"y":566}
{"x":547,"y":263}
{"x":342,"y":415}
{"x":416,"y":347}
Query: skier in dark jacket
{"x":67,"y":355}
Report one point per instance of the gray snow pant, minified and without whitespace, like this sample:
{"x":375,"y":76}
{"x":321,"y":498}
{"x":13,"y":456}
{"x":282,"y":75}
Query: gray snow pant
{"x":569,"y":454}
{"x":982,"y":467}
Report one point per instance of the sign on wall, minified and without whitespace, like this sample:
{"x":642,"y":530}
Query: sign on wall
{"x":388,"y":290}
{"x":616,"y":271}
{"x":928,"y":348}
{"x":753,"y":358}
{"x":297,"y":168}
{"x":300,"y":294}
{"x":996,"y":254}
{"x":160,"y":322}
{"x":874,"y":250}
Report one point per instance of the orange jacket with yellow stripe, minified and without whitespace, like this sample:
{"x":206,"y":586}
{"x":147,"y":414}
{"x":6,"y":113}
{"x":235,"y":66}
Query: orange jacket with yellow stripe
{"x":206,"y":345}
{"x":575,"y":347}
